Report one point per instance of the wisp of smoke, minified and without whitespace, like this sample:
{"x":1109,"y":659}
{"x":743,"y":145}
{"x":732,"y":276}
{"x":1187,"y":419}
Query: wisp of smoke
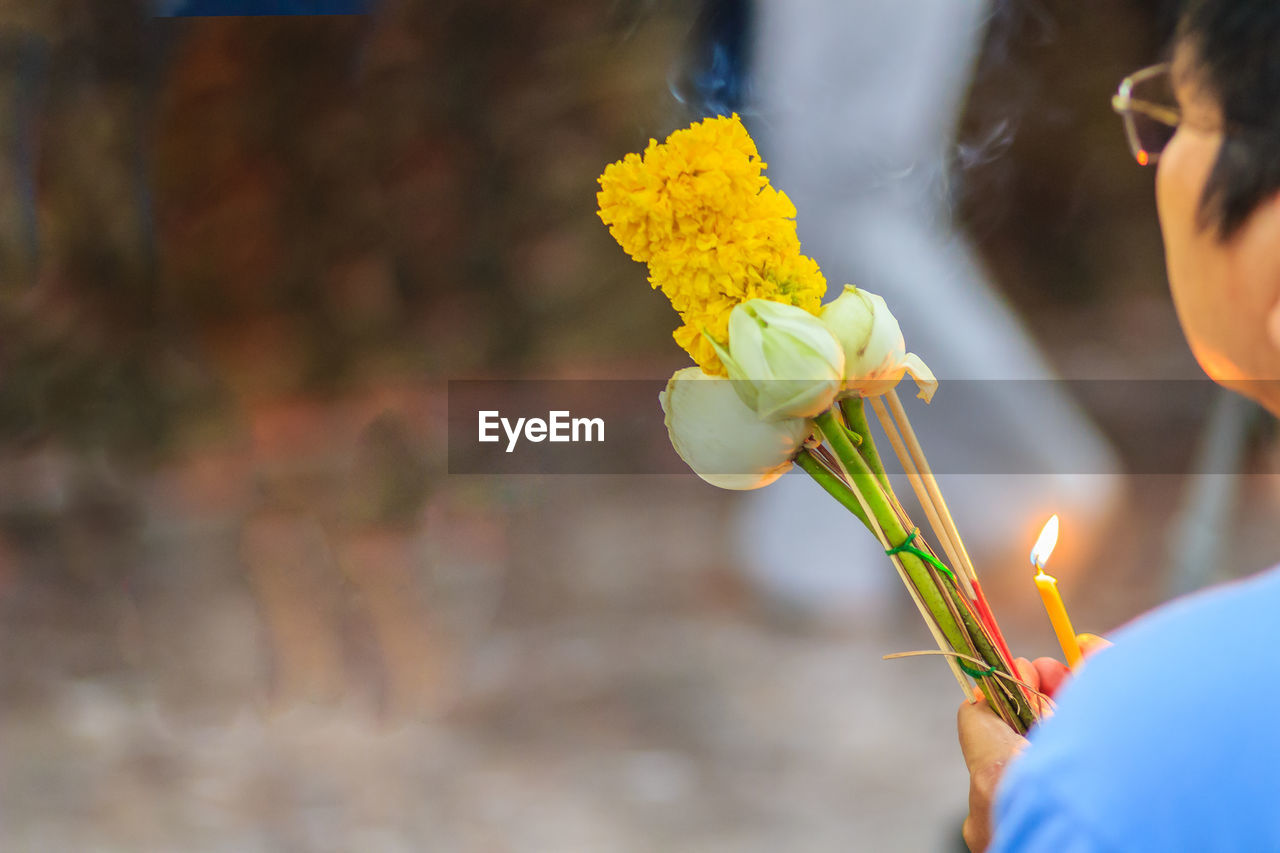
{"x":990,"y":147}
{"x":714,"y":79}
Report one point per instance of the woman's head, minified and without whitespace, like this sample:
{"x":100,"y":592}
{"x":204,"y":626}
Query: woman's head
{"x":1218,"y":191}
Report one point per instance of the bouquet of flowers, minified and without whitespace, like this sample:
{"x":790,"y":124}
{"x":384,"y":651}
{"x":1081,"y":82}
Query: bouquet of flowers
{"x":781,"y":379}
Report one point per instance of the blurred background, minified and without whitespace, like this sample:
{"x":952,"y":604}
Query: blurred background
{"x":245,"y":606}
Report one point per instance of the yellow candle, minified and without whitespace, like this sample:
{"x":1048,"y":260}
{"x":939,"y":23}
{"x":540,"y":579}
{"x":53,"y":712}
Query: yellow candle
{"x":1049,"y":592}
{"x":1048,"y":587}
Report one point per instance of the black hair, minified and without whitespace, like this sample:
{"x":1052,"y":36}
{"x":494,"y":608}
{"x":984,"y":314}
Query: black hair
{"x":1236,"y":45}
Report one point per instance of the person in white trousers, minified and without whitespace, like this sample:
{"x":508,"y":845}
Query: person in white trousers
{"x":855,"y":111}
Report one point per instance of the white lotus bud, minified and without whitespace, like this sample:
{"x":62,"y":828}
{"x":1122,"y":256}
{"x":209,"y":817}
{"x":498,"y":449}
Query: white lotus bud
{"x":875,"y":352}
{"x":784,"y":362}
{"x":722,"y":440}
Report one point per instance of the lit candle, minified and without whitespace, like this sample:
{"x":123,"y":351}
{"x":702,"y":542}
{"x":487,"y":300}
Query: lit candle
{"x":1048,"y":587}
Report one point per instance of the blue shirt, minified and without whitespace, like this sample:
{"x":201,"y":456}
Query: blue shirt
{"x":1168,"y":741}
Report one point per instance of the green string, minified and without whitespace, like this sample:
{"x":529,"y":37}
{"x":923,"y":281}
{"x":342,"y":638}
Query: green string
{"x":906,"y":543}
{"x":924,"y":555}
{"x":974,"y":671}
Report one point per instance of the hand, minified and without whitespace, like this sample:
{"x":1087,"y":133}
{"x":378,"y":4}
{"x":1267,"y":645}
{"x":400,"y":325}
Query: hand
{"x":1053,"y":673}
{"x":989,"y":744}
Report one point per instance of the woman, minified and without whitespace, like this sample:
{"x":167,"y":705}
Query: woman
{"x":1167,"y":740}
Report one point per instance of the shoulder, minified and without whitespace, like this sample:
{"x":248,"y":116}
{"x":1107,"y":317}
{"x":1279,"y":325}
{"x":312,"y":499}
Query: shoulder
{"x":1173,"y":721}
{"x":1227,"y":608}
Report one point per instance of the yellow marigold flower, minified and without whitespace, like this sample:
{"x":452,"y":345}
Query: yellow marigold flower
{"x":700,"y":212}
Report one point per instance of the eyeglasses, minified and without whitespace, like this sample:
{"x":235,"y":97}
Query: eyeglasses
{"x":1150,"y":111}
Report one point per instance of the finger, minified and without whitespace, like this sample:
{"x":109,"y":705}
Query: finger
{"x":1052,"y":673}
{"x":1027,"y":672}
{"x":1092,"y":643}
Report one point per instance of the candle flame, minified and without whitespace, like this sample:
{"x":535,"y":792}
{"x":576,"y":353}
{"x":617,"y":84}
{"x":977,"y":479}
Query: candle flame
{"x":1045,"y":544}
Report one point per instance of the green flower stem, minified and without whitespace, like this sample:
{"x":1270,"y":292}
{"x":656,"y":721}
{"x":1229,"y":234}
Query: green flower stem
{"x":856,"y":417}
{"x":862,"y":479}
{"x":836,"y":487}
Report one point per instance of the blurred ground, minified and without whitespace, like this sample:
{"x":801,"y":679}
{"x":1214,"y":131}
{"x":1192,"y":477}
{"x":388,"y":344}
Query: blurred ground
{"x":593,"y":680}
{"x":244,"y":606}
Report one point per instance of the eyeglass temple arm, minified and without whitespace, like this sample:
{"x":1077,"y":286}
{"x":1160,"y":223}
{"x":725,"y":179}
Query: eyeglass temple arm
{"x":1164,"y":115}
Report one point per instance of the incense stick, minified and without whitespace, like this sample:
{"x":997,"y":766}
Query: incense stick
{"x":972,"y":587}
{"x":906,"y":581}
{"x":917,"y":452}
{"x":922,"y":493}
{"x":931,"y":485}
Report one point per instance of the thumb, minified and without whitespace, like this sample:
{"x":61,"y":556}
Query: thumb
{"x":1091,"y":643}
